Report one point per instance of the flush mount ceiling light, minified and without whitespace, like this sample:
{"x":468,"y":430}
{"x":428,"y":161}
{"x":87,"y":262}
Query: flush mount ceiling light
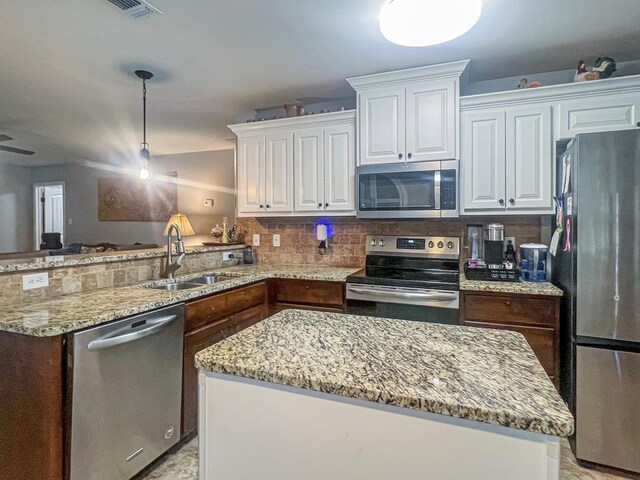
{"x":420,"y":23}
{"x":145,"y":156}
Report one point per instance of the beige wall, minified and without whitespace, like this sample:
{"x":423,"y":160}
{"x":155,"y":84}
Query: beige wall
{"x":16,"y":209}
{"x":201,"y":175}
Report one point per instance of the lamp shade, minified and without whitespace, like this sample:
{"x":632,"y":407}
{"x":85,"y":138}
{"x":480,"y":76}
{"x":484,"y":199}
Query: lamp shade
{"x":183,"y":222}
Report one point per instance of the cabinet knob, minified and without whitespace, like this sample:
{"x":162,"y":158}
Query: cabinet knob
{"x":261,"y":206}
{"x":326,"y":205}
{"x":638,"y":124}
{"x":512,"y":201}
{"x":409,"y":155}
{"x":400,"y":156}
{"x":268,"y":206}
{"x":320,"y":204}
{"x":501,"y":201}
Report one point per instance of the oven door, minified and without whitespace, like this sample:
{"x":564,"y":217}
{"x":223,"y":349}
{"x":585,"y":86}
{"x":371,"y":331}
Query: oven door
{"x":403,"y":303}
{"x":413,"y":190}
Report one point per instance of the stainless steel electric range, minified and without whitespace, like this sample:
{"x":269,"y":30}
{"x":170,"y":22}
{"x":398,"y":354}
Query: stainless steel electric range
{"x":408,"y":278}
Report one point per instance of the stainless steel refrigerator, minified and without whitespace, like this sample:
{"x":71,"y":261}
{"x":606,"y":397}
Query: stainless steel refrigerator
{"x":597,"y":265}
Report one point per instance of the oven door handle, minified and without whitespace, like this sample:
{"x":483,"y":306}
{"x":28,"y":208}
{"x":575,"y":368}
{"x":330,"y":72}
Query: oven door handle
{"x":434,"y":297}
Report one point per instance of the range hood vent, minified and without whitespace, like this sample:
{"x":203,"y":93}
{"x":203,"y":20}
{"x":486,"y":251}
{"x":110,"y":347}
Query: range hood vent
{"x":135,"y":8}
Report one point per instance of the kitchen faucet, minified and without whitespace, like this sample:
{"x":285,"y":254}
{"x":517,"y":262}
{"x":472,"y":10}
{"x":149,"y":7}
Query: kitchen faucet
{"x":170,"y":265}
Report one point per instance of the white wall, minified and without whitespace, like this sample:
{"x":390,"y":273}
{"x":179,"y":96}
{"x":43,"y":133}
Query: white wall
{"x":201,"y":175}
{"x":16,"y":209}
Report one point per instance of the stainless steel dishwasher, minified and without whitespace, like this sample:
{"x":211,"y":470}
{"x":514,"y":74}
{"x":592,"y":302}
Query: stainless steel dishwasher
{"x":126,"y":387}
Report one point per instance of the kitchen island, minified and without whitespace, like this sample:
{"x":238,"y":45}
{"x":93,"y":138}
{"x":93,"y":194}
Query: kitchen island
{"x":319,"y":395}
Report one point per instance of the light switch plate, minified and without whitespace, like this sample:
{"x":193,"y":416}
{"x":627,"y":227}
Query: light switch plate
{"x":227,"y":256}
{"x":36,"y":280}
{"x":276,"y":240}
{"x":256,"y":240}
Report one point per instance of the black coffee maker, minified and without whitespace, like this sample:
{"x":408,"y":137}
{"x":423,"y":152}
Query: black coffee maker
{"x":493,"y":239}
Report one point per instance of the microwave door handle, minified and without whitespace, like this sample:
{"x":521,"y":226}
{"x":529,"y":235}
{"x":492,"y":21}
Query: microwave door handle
{"x":432,"y":296}
{"x":436,"y":189}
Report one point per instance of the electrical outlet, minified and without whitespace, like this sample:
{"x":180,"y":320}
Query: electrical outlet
{"x":256,"y":240}
{"x":227,"y":256}
{"x":37,"y":280}
{"x":276,"y":240}
{"x":209,"y":202}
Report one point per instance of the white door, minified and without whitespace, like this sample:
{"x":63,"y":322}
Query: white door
{"x":340,"y":168}
{"x":279,"y":173}
{"x":251,"y":174}
{"x":529,"y":158}
{"x":431,"y":121}
{"x":309,"y":170}
{"x":482,"y":161}
{"x":599,"y":114}
{"x":381,"y":124}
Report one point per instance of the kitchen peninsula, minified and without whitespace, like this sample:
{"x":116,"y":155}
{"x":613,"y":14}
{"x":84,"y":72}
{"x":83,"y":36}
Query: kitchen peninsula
{"x":390,"y":399}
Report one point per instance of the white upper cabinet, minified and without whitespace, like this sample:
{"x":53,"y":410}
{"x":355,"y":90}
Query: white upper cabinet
{"x":251,"y":186}
{"x":599,"y":114}
{"x":381,"y":116}
{"x":309,"y":170}
{"x":340,"y":168}
{"x":431,"y":116}
{"x":297,"y":166}
{"x":529,"y":158}
{"x":279,"y":172}
{"x":483,"y":171}
{"x":409,"y":115}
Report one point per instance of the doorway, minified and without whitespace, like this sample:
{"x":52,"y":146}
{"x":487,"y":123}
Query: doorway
{"x":49,"y":211}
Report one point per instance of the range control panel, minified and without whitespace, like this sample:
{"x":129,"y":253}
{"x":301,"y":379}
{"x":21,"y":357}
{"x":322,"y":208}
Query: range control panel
{"x":442,"y":247}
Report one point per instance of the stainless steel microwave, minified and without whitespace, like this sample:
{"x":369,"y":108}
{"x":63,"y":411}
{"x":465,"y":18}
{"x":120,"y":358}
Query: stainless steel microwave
{"x":408,"y":190}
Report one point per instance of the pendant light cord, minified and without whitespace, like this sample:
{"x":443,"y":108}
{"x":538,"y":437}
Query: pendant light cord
{"x":144,"y":112}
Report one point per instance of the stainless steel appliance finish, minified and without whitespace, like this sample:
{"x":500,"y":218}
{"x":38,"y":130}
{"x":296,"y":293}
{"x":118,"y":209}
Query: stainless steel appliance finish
{"x":170,"y":265}
{"x":126,"y":384}
{"x":409,"y":190}
{"x":408,"y":278}
{"x":597,"y":267}
{"x":608,"y":422}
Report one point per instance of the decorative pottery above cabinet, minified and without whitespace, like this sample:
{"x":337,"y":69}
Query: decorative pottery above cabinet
{"x":508,"y":139}
{"x":409,"y":115}
{"x":297,"y":166}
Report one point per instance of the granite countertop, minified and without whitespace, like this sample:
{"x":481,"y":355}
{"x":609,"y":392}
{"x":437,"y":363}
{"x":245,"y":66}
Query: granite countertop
{"x":69,"y":313}
{"x":43,"y":263}
{"x":483,"y":375}
{"x":529,"y":288}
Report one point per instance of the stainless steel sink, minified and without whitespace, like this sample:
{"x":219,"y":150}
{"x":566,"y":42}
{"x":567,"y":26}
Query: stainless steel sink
{"x":208,"y":279}
{"x":170,"y":287}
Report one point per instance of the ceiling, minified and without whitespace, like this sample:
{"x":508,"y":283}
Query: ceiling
{"x":67,"y":88}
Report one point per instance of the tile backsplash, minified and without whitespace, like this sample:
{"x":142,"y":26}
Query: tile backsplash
{"x":347,"y":244}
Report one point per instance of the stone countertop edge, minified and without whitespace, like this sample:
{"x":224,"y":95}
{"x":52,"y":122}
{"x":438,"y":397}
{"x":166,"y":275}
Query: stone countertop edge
{"x":46,"y":263}
{"x":484,"y":375}
{"x":519,"y":287}
{"x":69,"y":313}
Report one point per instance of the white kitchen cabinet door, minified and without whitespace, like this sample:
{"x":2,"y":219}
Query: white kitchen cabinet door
{"x":530,"y":158}
{"x":340,"y":168}
{"x":431,"y":121}
{"x":279,"y":173}
{"x":309,"y":170}
{"x":482,"y":162}
{"x":381,"y":115}
{"x":599,"y":114}
{"x":251,"y":174}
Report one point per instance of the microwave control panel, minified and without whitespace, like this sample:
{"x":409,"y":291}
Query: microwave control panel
{"x":448,"y":194}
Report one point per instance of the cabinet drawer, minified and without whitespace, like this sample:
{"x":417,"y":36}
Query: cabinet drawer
{"x":309,"y":292}
{"x":541,"y":340}
{"x":216,"y":307}
{"x":510,"y":309}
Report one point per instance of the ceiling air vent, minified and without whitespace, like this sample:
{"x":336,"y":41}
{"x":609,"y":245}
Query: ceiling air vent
{"x":135,"y":8}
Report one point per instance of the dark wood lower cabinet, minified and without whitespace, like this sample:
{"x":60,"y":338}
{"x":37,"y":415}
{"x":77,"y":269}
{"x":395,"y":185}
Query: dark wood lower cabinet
{"x":306,"y":295}
{"x":537,"y":318}
{"x":216,"y":317}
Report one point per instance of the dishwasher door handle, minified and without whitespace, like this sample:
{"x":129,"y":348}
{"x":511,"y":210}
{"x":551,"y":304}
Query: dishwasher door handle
{"x":436,"y":297}
{"x":107,"y":341}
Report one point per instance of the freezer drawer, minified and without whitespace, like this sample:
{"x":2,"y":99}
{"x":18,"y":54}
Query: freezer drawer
{"x":126,"y":394}
{"x":608,"y":407}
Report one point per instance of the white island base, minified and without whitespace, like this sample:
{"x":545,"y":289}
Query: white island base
{"x":250,"y":429}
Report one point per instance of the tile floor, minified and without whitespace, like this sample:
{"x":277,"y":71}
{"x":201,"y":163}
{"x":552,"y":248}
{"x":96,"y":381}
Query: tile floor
{"x":183,"y":465}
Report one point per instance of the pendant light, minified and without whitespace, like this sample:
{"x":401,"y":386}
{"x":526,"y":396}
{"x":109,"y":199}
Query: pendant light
{"x":421,"y":23}
{"x":145,"y":156}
